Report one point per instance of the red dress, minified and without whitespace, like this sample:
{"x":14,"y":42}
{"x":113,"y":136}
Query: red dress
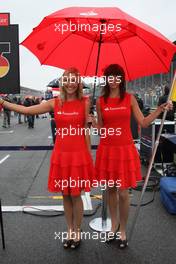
{"x":117,"y":157}
{"x":71,"y":165}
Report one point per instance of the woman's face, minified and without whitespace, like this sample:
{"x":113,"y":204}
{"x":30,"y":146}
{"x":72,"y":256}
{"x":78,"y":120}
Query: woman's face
{"x":70,"y":82}
{"x":113,"y":81}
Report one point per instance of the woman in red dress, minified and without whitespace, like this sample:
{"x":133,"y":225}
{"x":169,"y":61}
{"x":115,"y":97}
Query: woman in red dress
{"x":117,"y":159}
{"x":71,"y":165}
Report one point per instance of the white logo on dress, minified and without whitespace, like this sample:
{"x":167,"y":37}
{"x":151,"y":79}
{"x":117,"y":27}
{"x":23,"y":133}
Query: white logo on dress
{"x":64,"y":113}
{"x":115,"y":108}
{"x":89,"y":13}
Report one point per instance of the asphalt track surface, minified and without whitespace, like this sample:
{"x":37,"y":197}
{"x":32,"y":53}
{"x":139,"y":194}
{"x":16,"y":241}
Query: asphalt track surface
{"x":32,"y":239}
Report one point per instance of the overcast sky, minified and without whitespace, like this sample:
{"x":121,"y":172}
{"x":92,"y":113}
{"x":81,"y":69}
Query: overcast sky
{"x":159,"y":14}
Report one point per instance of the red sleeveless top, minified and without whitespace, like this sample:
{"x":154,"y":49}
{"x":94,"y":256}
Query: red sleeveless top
{"x":70,"y":159}
{"x":70,"y":118}
{"x":117,"y":157}
{"x":116,"y":118}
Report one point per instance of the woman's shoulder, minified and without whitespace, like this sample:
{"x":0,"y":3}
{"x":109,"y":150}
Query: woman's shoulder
{"x":100,"y":102}
{"x":86,"y":99}
{"x":53,"y":101}
{"x":127,"y":94}
{"x":129,"y":97}
{"x":100,"y":99}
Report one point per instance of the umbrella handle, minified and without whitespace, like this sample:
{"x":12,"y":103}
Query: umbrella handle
{"x":96,"y":71}
{"x":92,"y":113}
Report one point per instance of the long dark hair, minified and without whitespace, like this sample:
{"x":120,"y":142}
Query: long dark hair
{"x":114,"y":70}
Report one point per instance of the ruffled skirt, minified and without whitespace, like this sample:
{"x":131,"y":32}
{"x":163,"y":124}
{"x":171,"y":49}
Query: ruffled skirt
{"x":70,"y":172}
{"x":118,"y":164}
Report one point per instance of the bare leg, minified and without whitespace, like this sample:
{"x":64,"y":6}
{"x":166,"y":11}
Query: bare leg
{"x":68,"y":209}
{"x":113,"y":201}
{"x":124,"y":210}
{"x":77,"y":216}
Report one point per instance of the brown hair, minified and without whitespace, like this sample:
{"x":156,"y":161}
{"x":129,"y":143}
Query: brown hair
{"x":79,"y":91}
{"x":114,"y":70}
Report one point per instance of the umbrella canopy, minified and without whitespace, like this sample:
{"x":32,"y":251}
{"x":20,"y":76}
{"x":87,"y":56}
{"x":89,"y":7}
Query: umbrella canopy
{"x":54,"y":83}
{"x":73,"y":36}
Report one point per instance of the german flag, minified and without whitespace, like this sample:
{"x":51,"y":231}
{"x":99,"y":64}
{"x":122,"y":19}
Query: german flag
{"x":4,"y":66}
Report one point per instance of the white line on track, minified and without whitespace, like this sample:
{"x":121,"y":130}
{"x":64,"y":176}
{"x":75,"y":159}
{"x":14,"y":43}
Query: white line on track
{"x":6,"y":132}
{"x":33,"y":208}
{"x":6,"y":157}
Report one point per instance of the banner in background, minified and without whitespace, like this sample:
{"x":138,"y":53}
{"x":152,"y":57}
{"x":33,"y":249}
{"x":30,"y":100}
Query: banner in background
{"x":4,"y":19}
{"x":9,"y":56}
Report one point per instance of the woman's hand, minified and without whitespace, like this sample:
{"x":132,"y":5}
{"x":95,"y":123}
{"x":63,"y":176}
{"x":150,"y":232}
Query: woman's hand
{"x":91,"y":119}
{"x":166,"y":106}
{"x":146,"y":121}
{"x":1,"y":102}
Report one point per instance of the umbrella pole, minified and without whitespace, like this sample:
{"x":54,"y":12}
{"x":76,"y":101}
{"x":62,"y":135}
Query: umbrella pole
{"x":96,"y":69}
{"x":101,"y":223}
{"x":150,"y":164}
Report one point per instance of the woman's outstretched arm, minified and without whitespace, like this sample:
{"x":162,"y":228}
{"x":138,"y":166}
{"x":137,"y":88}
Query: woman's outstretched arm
{"x":146,"y":121}
{"x":31,"y":110}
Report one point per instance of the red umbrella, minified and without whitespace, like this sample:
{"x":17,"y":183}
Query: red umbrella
{"x":77,"y":36}
{"x":91,"y":38}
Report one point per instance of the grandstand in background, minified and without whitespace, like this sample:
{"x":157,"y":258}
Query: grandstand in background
{"x":150,"y":88}
{"x":24,"y":91}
